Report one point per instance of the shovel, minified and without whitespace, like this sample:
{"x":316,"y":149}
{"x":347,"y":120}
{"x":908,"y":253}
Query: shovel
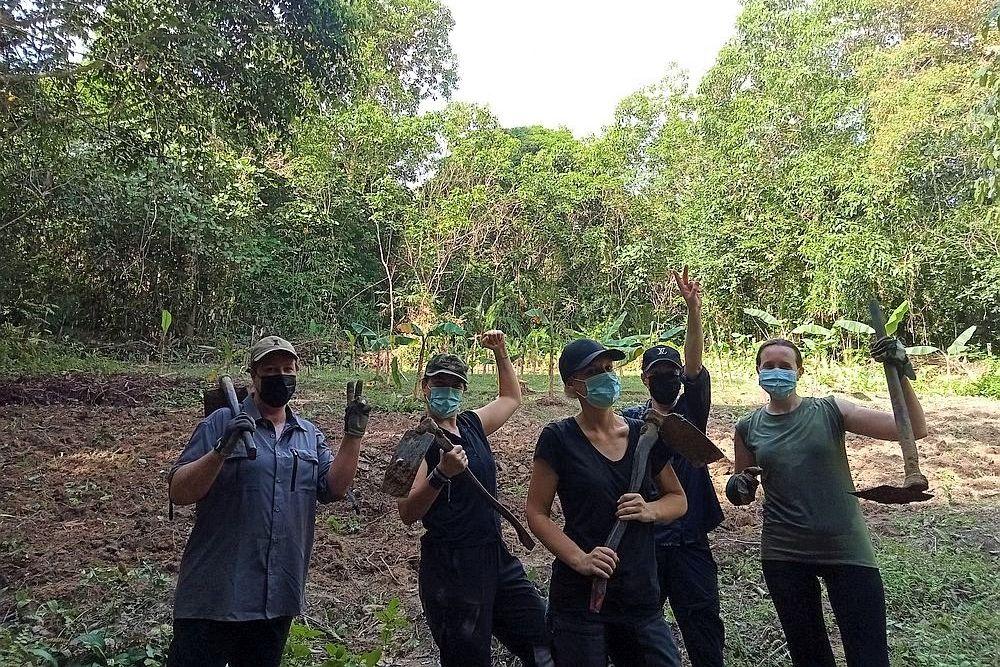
{"x":914,"y":488}
{"x":406,"y":461}
{"x":648,"y":437}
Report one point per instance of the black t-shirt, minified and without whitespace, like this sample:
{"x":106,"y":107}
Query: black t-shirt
{"x":462,"y":517}
{"x":589,"y":488}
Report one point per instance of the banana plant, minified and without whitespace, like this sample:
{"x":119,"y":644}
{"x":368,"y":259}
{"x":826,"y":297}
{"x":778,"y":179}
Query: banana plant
{"x":770,"y":321}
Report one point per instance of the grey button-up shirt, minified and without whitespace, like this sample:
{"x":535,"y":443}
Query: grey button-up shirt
{"x":248,"y":553}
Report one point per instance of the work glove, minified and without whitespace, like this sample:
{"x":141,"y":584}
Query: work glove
{"x":357,"y":411}
{"x":741,"y":489}
{"x":233,"y":432}
{"x":889,"y":350}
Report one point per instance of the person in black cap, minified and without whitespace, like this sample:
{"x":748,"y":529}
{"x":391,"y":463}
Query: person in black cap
{"x":471,"y":587}
{"x":587,"y":461}
{"x":688,"y":575}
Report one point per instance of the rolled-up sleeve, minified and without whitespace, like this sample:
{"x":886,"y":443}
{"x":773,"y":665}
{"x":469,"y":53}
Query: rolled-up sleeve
{"x":325,"y":458}
{"x":202,"y":441}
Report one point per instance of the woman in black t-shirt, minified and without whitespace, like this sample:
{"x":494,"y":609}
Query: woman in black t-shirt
{"x":471,"y":587}
{"x":587,"y":461}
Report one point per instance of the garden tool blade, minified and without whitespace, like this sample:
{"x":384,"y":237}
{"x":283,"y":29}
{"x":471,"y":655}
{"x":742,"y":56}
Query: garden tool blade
{"x":405,"y":462}
{"x":684,"y":438}
{"x":894,"y":495}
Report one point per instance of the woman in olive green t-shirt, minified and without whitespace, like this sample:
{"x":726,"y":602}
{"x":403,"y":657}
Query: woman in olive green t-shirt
{"x":813,"y":527}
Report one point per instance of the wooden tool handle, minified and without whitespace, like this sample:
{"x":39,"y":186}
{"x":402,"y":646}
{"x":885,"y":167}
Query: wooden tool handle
{"x":907,"y":443}
{"x":229,"y":391}
{"x":523,"y":536}
{"x":647,"y":440}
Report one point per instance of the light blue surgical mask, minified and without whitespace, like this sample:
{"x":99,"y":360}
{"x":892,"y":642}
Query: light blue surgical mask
{"x":444,"y":402}
{"x":778,"y":382}
{"x":603,"y":390}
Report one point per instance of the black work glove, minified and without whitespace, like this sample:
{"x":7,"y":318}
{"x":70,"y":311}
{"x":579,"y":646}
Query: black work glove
{"x":741,"y":489}
{"x":233,"y":433}
{"x":889,"y":350}
{"x":357,"y":411}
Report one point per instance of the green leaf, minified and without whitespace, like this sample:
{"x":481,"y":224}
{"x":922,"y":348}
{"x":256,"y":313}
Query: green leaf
{"x":812,"y":330}
{"x":669,"y":333}
{"x":921,"y":350}
{"x":537,"y":316}
{"x":958,"y":346}
{"x":854,"y":327}
{"x":764,"y":316}
{"x":404,"y":340}
{"x":411,"y":328}
{"x":897,"y":316}
{"x":397,"y":375}
{"x":447,"y":329}
{"x":362,"y":331}
{"x":166,"y":319}
{"x":44,"y":655}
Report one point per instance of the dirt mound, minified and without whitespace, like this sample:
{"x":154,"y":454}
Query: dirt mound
{"x":88,"y":389}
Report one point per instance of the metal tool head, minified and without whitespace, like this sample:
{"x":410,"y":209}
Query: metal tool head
{"x":214,"y":398}
{"x":684,"y":438}
{"x":893,"y":495}
{"x":406,"y":461}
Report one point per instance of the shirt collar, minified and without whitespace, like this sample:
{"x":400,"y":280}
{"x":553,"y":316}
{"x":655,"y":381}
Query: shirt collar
{"x":250,"y":407}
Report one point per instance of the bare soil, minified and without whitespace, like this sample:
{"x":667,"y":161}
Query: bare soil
{"x":83,"y":488}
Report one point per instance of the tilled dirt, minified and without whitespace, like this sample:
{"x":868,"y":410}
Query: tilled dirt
{"x":83,"y":488}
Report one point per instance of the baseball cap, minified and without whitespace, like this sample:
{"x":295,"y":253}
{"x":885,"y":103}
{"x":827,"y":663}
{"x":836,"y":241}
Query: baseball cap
{"x":579,"y":353}
{"x":269,"y":344}
{"x":659,"y":353}
{"x":449,"y":364}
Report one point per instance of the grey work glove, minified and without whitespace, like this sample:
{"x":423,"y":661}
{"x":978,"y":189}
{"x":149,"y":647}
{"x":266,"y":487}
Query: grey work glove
{"x":233,"y":433}
{"x":357,"y":411}
{"x":741,"y":489}
{"x":890,"y":350}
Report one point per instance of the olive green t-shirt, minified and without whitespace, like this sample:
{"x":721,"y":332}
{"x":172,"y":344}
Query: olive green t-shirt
{"x":809,"y":512}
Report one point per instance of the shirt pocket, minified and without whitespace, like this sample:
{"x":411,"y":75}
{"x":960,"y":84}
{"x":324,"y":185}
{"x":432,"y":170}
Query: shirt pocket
{"x":305,"y":469}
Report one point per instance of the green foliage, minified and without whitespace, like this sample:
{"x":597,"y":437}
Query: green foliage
{"x":309,"y":646}
{"x":960,"y":344}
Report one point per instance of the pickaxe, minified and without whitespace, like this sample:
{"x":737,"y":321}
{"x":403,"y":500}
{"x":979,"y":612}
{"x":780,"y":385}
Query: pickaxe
{"x":914,"y":487}
{"x":405,"y":463}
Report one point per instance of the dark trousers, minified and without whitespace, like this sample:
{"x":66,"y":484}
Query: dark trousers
{"x":199,"y":642}
{"x":580,"y":640}
{"x":858,"y":601}
{"x":689,"y":579}
{"x":470,"y":594}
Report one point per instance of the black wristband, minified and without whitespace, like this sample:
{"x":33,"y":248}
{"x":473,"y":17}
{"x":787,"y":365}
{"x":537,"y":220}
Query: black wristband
{"x":437,"y":479}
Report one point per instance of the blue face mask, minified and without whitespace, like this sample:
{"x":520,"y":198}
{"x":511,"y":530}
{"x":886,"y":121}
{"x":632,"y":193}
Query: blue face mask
{"x":444,"y":402}
{"x":603,"y":390}
{"x":778,"y":382}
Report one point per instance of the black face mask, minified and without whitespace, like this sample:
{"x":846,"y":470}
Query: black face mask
{"x":665,"y":388}
{"x":277,"y":390}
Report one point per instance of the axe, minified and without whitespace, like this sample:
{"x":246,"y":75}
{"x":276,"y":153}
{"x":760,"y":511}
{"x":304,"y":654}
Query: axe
{"x":914,"y":487}
{"x":405,"y":463}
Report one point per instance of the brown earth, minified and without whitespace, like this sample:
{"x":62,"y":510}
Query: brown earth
{"x":83,"y":493}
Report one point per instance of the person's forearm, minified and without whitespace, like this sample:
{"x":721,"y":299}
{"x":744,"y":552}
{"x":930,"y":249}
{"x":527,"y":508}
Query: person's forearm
{"x":510,"y":386}
{"x":192,"y":481}
{"x":555,"y":540}
{"x":343,"y":467}
{"x":414,"y":506}
{"x":669,"y":507}
{"x":694,"y":343}
{"x":913,"y":407}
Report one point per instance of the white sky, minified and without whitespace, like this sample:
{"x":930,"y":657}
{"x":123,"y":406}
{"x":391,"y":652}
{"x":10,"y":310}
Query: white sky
{"x":559,"y":62}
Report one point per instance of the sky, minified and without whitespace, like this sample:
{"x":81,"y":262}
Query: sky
{"x":563,"y":63}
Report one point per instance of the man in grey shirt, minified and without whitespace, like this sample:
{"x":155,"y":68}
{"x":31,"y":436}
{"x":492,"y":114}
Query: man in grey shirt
{"x":243,"y":573}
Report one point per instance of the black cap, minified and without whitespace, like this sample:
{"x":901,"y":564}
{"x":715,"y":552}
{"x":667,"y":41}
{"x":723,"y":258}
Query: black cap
{"x":659,"y":353}
{"x":579,"y":353}
{"x":449,"y":364}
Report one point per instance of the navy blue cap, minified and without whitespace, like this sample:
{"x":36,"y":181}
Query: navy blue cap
{"x":660,"y":353}
{"x":578,"y":354}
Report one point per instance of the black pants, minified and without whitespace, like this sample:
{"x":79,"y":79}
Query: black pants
{"x":470,"y":594}
{"x":199,"y":642}
{"x":580,"y":640}
{"x":858,"y":602}
{"x":689,"y":579}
